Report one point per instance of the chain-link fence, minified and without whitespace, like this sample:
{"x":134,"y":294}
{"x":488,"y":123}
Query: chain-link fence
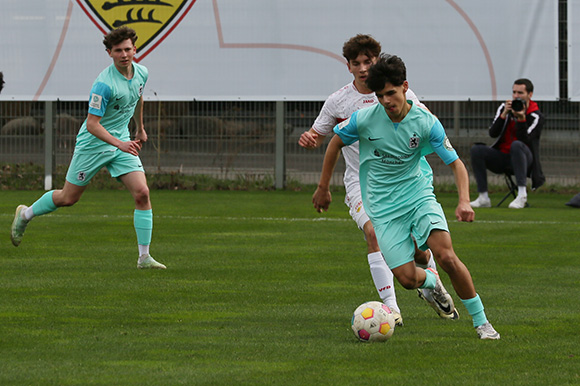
{"x":232,"y":139}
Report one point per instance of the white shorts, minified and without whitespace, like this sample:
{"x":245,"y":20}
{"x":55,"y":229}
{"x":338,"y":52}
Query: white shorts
{"x":353,"y":200}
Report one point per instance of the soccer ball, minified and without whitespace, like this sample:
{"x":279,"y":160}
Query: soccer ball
{"x":373,"y":322}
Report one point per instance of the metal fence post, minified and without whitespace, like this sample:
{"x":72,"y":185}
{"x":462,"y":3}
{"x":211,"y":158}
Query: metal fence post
{"x":280,"y":170}
{"x":48,"y":144}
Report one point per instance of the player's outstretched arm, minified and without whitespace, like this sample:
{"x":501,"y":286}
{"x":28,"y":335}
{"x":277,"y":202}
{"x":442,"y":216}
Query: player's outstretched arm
{"x":311,"y":139}
{"x":322,"y":197}
{"x":464,"y":211}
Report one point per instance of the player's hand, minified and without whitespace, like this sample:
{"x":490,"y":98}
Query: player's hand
{"x":321,"y":199}
{"x":131,"y":147}
{"x":308,"y":140}
{"x":141,"y":136}
{"x":464,"y":212}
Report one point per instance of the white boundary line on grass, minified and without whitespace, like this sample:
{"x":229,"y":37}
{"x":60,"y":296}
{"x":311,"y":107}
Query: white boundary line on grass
{"x":291,"y":219}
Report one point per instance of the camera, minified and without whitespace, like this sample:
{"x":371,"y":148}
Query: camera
{"x":518,"y":104}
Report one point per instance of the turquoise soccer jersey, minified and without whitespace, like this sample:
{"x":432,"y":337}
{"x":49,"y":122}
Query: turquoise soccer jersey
{"x":391,"y":178}
{"x":113,"y":98}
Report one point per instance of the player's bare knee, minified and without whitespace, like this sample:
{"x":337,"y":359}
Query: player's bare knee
{"x":141,"y":196}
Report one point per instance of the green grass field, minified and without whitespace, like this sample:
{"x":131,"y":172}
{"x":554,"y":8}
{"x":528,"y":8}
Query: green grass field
{"x":260,"y":290}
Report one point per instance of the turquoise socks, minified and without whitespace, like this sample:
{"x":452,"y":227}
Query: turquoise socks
{"x":430,"y":280}
{"x":44,"y":204}
{"x":475,"y":308}
{"x":143,"y":221}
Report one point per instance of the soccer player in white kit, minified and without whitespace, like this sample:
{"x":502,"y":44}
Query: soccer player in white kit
{"x":361,"y":51}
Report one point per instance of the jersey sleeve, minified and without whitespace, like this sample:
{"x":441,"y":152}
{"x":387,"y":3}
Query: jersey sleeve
{"x":440,"y":143}
{"x":100,"y":95}
{"x":326,"y":119}
{"x":348,"y":130}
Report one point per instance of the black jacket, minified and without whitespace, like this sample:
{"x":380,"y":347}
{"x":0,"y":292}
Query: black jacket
{"x":528,"y":132}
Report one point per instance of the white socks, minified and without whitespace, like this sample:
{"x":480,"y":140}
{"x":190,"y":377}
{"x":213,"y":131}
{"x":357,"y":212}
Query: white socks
{"x":143,"y":250}
{"x":522,"y":192}
{"x":28,"y":214}
{"x":383,"y":279}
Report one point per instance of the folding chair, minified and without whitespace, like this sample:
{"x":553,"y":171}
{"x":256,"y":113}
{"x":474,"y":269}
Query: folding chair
{"x":512,"y":186}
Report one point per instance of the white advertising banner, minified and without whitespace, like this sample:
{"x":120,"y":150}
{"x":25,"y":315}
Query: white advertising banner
{"x":280,"y":49}
{"x":573,"y":50}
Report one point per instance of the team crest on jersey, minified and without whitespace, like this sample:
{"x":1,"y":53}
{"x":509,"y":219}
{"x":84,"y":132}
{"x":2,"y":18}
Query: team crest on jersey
{"x":414,"y":141}
{"x":153,"y":20}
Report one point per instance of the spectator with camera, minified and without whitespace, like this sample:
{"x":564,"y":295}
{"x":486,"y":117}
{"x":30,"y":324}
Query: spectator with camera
{"x":517,"y":127}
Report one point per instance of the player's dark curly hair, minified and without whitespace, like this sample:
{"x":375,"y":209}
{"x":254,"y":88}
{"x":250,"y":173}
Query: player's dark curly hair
{"x":361,"y":44}
{"x":119,"y":35}
{"x":388,"y":69}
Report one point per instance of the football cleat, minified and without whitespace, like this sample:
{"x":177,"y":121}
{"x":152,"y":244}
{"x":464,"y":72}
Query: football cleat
{"x":440,"y":299}
{"x":486,"y":331}
{"x":147,"y":262}
{"x":18,"y":226}
{"x":398,"y":319}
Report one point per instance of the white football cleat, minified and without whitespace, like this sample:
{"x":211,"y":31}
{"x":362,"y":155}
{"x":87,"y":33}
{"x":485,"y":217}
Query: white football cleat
{"x":398,"y":319}
{"x":147,"y":262}
{"x":440,"y":299}
{"x":486,"y":331}
{"x":18,"y":226}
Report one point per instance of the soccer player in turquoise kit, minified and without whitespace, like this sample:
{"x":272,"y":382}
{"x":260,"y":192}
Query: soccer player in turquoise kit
{"x":104,"y":141}
{"x":393,"y":135}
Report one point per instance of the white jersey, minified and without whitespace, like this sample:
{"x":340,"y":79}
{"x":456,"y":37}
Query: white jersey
{"x":338,"y":107}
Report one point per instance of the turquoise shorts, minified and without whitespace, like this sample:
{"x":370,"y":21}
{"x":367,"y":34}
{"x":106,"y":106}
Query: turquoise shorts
{"x":395,"y":237}
{"x":83,"y":167}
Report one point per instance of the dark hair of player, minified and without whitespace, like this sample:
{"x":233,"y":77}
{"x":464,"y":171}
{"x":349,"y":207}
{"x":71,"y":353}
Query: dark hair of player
{"x":119,"y":35}
{"x":361,"y":44}
{"x":388,"y":69}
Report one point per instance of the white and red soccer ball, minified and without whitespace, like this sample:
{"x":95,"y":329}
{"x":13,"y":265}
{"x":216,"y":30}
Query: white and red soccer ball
{"x":373,"y":322}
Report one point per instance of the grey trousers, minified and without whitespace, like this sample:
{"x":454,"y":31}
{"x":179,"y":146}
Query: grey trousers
{"x":517,"y":162}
